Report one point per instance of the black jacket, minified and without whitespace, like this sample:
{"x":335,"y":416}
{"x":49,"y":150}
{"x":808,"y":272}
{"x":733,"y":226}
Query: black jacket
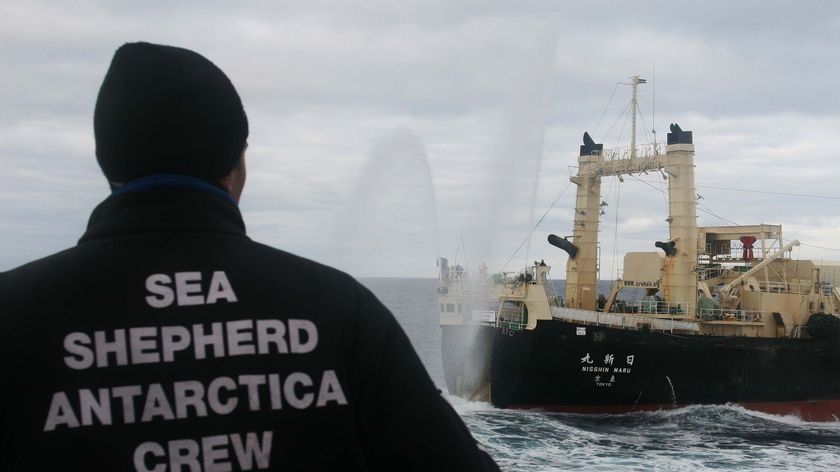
{"x":167,"y":340}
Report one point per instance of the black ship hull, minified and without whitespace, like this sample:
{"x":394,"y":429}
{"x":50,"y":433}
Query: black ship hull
{"x":567,"y":366}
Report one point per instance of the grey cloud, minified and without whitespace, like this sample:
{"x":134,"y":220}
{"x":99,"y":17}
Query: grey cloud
{"x":479,"y":86}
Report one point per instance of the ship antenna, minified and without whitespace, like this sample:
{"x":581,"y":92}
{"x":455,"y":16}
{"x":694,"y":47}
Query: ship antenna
{"x":464,"y":250}
{"x":634,"y":106}
{"x":653,"y":123}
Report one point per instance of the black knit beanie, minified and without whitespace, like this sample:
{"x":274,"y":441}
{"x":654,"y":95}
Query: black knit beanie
{"x":167,"y":110}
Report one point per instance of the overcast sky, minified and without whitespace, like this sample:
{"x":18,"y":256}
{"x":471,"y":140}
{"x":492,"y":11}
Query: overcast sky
{"x":386,"y":133}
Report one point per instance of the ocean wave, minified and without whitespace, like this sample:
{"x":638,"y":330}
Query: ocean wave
{"x":701,"y":437}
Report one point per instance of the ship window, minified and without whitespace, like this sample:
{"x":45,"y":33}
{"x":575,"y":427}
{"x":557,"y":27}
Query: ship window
{"x":442,"y":308}
{"x":450,"y":307}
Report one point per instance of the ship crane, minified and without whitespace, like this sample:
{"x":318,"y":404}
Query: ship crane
{"x":729,"y":293}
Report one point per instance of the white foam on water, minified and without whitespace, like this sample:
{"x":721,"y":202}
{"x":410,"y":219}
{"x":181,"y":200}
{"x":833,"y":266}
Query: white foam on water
{"x":466,"y":407}
{"x":717,"y":437}
{"x":791,"y":419}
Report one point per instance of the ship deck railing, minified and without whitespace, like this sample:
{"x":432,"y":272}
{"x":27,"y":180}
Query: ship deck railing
{"x":509,"y":325}
{"x":625,"y":320}
{"x":655,"y":307}
{"x":622,"y":154}
{"x":794,"y":287}
{"x":710,"y":272}
{"x":713,"y":272}
{"x":467,"y":291}
{"x":734,"y":254}
{"x":722,"y":314}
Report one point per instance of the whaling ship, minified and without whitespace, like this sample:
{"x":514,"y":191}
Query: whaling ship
{"x":728,"y":316}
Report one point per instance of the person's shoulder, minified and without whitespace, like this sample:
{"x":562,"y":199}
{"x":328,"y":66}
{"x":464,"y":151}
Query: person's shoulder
{"x":38,"y":269}
{"x":278,"y":259}
{"x":335,"y":290}
{"x":39,"y":283}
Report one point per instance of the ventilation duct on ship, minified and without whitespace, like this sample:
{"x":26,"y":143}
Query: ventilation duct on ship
{"x":590,"y":147}
{"x":670,"y":247}
{"x":748,"y":242}
{"x":563,"y":244}
{"x":678,"y":136}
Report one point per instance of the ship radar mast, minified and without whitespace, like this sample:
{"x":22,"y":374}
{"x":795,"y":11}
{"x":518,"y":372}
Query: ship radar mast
{"x":634,"y":112}
{"x":634,"y":107}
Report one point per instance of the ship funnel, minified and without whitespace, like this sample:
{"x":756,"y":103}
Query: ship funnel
{"x":670,"y":247}
{"x":563,"y":244}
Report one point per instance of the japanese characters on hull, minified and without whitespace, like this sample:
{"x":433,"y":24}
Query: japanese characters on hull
{"x":606,"y":367}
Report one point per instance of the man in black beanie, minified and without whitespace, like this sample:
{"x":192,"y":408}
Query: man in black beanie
{"x":168,"y":341}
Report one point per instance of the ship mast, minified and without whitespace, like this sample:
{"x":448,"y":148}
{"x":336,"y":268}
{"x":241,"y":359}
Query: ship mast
{"x":679,"y":281}
{"x":634,"y":105}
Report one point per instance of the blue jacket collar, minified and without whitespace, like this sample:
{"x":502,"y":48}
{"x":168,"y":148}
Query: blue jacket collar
{"x":158,"y":181}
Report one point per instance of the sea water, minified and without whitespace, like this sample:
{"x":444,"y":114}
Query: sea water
{"x":686,"y":439}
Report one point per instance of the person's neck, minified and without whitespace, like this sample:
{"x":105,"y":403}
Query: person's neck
{"x":157,"y":181}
